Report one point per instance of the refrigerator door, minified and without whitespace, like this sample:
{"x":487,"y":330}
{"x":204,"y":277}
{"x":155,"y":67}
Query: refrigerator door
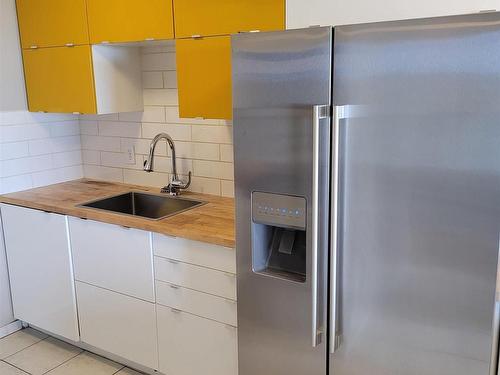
{"x":419,"y":197}
{"x":281,"y":99}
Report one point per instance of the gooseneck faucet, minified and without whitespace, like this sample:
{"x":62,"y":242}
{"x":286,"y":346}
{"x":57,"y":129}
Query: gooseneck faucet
{"x":176,"y":185}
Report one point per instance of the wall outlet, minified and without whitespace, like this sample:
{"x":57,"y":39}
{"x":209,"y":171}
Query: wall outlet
{"x":130,"y":155}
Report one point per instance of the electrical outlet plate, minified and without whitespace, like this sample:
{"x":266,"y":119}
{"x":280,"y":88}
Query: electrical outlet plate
{"x":130,"y":155}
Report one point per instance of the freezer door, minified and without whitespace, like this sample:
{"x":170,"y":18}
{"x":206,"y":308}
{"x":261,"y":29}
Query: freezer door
{"x":281,"y":96}
{"x":419,"y":197}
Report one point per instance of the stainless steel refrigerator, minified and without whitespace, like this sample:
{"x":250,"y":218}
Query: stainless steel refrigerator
{"x":367,"y":171}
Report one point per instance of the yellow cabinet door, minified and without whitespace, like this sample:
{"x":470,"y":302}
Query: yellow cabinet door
{"x":204,"y":77}
{"x":130,"y":20}
{"x":220,"y":17}
{"x":60,"y":79}
{"x":50,"y":23}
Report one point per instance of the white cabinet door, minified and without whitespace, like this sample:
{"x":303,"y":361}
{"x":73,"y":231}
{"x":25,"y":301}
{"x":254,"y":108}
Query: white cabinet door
{"x":113,"y":257}
{"x":40,"y":269}
{"x":190,"y":345}
{"x":118,"y":324}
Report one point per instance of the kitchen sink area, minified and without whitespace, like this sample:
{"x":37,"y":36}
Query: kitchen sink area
{"x":149,"y":206}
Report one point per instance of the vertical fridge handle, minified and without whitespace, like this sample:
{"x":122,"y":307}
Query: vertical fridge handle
{"x":335,"y":337}
{"x":494,"y":364}
{"x":319,"y":112}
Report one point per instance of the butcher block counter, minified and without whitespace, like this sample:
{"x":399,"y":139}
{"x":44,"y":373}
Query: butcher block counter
{"x":212,"y":222}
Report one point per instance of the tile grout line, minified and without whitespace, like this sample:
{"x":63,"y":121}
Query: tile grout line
{"x":29,"y":346}
{"x":82,"y":351}
{"x":10,"y":364}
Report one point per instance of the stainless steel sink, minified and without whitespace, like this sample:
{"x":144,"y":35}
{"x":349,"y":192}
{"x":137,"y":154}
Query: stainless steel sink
{"x":145,"y":205}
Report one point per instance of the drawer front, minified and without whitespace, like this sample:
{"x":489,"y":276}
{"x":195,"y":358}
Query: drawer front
{"x":194,"y":252}
{"x":189,"y":345}
{"x":198,"y":303}
{"x":118,"y":324}
{"x":113,"y":257}
{"x":195,"y":277}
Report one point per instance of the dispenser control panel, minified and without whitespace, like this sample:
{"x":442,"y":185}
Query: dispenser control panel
{"x":280,"y":210}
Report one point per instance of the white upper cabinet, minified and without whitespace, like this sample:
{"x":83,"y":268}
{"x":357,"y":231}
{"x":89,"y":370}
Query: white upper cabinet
{"x":113,"y":257}
{"x":40,"y":269}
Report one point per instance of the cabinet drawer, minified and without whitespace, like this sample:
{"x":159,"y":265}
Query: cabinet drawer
{"x":119,"y":324}
{"x":198,"y":303}
{"x":194,"y":252}
{"x":113,"y":257}
{"x":189,"y":345}
{"x":195,"y":277}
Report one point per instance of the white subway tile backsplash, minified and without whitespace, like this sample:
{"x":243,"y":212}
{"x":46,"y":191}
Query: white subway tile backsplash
{"x":24,"y":132}
{"x":226,"y":153}
{"x":90,"y":142}
{"x":170,"y":79}
{"x":55,"y":176}
{"x":88,"y":127}
{"x":103,"y":173}
{"x":160,"y":97}
{"x":205,"y":185}
{"x":150,"y":114}
{"x":214,"y":134}
{"x":155,"y":179}
{"x":15,"y":183}
{"x":158,"y":61}
{"x":106,"y":117}
{"x":37,"y":149}
{"x":152,"y":80}
{"x":26,"y":165}
{"x":66,"y":128}
{"x":56,"y":144}
{"x":14,"y":150}
{"x":91,"y":157}
{"x":213,"y":169}
{"x":164,"y":164}
{"x":120,"y":129}
{"x":119,"y":160}
{"x":191,"y":150}
{"x":227,"y":188}
{"x":177,"y":132}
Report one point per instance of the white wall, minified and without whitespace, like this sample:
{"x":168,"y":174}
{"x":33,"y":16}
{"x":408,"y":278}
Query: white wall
{"x":12,"y":94}
{"x":304,"y":13}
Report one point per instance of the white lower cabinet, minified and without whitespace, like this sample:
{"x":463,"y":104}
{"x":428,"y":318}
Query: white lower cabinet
{"x":118,"y":324}
{"x":191,"y":345}
{"x":40,"y":270}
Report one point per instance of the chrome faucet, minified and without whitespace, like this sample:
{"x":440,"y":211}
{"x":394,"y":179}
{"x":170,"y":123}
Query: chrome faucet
{"x":176,"y":185}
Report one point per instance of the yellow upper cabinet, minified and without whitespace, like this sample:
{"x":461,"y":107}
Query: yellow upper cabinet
{"x":130,"y":20}
{"x":220,"y":17}
{"x":204,"y":77}
{"x":50,"y":23}
{"x":60,"y":79}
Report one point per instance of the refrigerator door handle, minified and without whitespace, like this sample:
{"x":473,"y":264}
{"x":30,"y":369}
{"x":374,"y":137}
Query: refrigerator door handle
{"x":335,"y":336}
{"x":320,"y":112}
{"x":494,"y":363}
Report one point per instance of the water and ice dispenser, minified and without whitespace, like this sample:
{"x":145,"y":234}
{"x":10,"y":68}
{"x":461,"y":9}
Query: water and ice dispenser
{"x":279,"y":236}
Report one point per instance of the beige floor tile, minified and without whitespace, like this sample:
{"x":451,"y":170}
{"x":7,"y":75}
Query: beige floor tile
{"x":128,"y":371}
{"x":43,"y":356}
{"x":85,"y":364}
{"x":6,"y":369}
{"x":18,"y":341}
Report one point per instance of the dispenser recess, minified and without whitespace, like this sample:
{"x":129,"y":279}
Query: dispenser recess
{"x":279,"y":236}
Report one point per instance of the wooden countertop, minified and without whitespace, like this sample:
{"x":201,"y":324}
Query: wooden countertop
{"x":211,"y":223}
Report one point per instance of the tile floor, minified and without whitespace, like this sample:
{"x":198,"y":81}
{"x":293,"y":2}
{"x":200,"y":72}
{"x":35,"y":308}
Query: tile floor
{"x":31,"y":352}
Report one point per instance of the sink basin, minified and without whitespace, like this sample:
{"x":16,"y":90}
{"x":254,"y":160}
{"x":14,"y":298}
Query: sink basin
{"x":150,"y":206}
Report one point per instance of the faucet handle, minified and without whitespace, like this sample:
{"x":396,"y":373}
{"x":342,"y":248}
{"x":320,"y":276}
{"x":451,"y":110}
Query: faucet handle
{"x":181,"y":184}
